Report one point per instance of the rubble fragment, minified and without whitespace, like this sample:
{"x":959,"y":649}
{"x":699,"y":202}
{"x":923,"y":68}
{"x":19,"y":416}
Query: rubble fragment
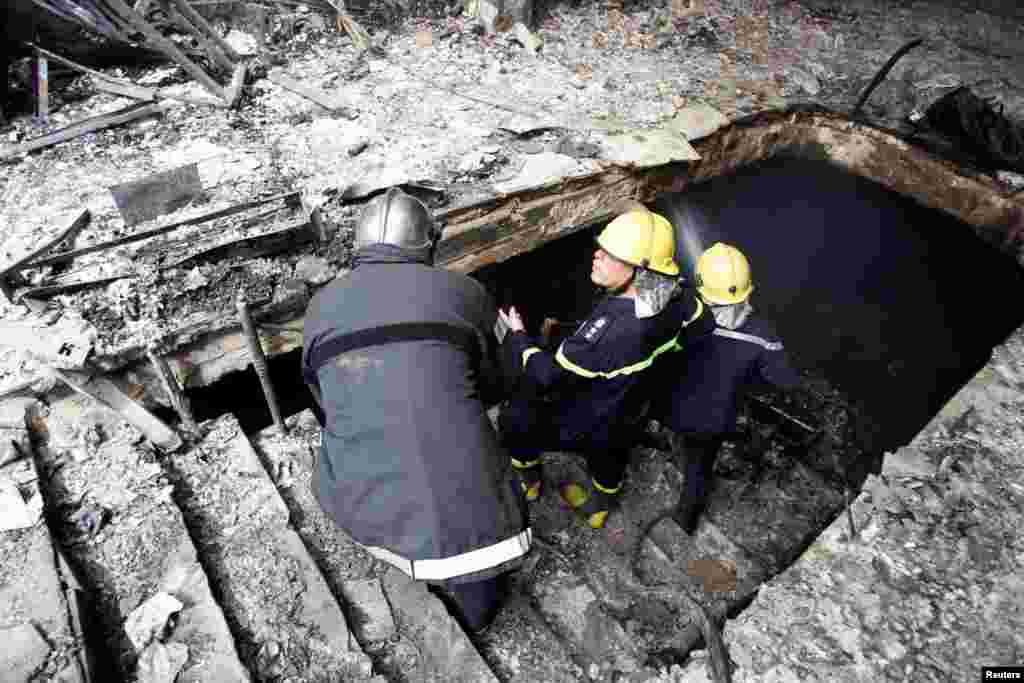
{"x":15,"y":511}
{"x":161,"y":662}
{"x":24,"y":652}
{"x":148,"y":620}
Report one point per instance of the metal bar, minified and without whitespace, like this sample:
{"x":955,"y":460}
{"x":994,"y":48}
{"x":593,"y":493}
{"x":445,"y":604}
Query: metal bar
{"x":259,"y":360}
{"x":41,"y":71}
{"x":145,"y":234}
{"x":200,"y":23}
{"x":166,"y":46}
{"x":177,"y":397}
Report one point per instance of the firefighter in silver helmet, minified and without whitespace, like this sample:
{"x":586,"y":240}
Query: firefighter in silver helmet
{"x":410,"y":465}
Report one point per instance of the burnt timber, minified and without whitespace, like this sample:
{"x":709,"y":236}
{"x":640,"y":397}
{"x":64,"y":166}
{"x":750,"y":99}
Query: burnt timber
{"x":503,"y":226}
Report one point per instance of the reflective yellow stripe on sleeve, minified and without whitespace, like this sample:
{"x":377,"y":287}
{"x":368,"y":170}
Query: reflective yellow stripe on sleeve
{"x":562,"y":360}
{"x":527,"y":353}
{"x":700,"y":309}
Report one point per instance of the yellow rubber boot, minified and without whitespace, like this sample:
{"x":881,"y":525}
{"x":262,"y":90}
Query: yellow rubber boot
{"x":530,"y":477}
{"x":593,"y":505}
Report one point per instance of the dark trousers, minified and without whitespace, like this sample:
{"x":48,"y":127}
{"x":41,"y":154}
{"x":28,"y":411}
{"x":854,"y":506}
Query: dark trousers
{"x":527,"y":428}
{"x":695,"y":455}
{"x":474,"y":604}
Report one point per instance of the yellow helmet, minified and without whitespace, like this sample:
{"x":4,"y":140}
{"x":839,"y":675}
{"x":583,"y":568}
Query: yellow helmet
{"x":641,"y":238}
{"x":723,"y":275}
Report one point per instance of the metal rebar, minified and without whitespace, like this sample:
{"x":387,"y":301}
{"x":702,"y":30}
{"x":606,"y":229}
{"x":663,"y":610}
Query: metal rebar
{"x":174,"y":391}
{"x":849,"y":514}
{"x":259,"y":360}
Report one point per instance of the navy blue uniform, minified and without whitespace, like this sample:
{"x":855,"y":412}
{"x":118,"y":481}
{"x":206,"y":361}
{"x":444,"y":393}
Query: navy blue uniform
{"x":583,"y":396}
{"x":698,"y":395}
{"x":410,"y":465}
{"x":705,"y":382}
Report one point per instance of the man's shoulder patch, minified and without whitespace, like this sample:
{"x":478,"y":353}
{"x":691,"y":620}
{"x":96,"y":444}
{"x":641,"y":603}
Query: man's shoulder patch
{"x":592,"y":330}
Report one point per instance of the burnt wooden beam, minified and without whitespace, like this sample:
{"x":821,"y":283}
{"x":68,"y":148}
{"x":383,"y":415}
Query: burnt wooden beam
{"x":64,"y":257}
{"x":165,"y":46}
{"x":297,"y":234}
{"x":9,"y":272}
{"x":105,"y":393}
{"x":314,"y":95}
{"x":117,"y":118}
{"x":116,"y":86}
{"x":233,"y":94}
{"x":211,"y":48}
{"x":175,"y":396}
{"x":500,"y":227}
{"x":200,"y":23}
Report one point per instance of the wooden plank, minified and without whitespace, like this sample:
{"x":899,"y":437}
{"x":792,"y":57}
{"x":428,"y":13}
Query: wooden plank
{"x":47,"y":291}
{"x":117,"y":118}
{"x":129,"y":90}
{"x":209,"y":47}
{"x":64,"y":257}
{"x":290,"y":237}
{"x":175,"y":395}
{"x":166,"y":46}
{"x":157,"y":194}
{"x":106,"y":393}
{"x":314,"y":95}
{"x":68,"y":232}
{"x":200,"y":22}
{"x":110,"y":84}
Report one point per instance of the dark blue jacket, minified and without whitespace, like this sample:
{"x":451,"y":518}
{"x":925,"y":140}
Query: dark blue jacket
{"x":410,"y":462}
{"x":700,"y":387}
{"x":593,"y":374}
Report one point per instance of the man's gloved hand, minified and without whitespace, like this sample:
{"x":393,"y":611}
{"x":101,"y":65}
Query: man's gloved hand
{"x":512,"y":319}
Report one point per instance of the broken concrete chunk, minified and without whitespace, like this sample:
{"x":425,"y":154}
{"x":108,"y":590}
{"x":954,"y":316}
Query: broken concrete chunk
{"x":530,"y":41}
{"x":650,"y":147}
{"x":697,"y":121}
{"x":908,"y":462}
{"x":15,"y":511}
{"x":24,"y":651}
{"x":149,"y":619}
{"x":316,"y":270}
{"x":160,"y":663}
{"x":369,"y":611}
{"x":540,"y":169}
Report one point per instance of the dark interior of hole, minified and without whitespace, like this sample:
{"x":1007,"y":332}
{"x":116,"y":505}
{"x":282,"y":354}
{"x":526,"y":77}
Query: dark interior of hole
{"x":886,"y":299}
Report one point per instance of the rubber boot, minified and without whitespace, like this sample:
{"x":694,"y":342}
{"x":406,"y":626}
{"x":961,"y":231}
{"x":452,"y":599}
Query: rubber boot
{"x":531,"y":477}
{"x":592,"y":504}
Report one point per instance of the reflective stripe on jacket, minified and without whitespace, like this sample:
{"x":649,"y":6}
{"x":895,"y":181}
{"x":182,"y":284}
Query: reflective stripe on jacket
{"x":593,"y":372}
{"x":698,"y":390}
{"x":410,"y":465}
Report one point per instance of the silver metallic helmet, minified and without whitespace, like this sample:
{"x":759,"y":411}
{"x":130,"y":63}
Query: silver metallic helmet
{"x":399,"y":219}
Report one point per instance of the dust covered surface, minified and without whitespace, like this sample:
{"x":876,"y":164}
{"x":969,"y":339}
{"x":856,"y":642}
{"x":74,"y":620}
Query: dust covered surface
{"x":436,"y":100}
{"x":937,"y":554}
{"x":110,"y":505}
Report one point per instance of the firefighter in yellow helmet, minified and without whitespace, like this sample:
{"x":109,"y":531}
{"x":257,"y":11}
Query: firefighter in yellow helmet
{"x":583,"y":396}
{"x":703,"y":384}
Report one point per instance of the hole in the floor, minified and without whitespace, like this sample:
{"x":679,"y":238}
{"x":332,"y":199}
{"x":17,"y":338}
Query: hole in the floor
{"x":240,"y":393}
{"x":869,"y":289}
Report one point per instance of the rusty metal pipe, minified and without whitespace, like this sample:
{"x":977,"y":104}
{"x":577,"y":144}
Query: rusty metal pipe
{"x":259,"y":360}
